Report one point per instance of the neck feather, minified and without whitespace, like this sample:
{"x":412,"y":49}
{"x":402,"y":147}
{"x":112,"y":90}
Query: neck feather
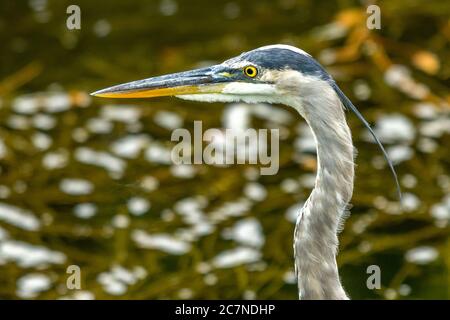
{"x":315,"y":239}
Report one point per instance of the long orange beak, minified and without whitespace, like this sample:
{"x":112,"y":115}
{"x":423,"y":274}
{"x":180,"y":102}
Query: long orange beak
{"x":204,"y":80}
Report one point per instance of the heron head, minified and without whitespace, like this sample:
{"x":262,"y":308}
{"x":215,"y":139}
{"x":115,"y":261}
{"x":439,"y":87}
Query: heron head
{"x":261,"y":75}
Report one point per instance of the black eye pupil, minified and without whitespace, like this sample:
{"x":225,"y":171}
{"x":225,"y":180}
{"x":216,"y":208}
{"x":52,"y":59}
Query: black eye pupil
{"x":250,"y":71}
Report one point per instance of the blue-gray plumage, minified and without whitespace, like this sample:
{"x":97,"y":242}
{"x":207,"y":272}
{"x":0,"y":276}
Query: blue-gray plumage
{"x":286,"y":75}
{"x":286,"y":59}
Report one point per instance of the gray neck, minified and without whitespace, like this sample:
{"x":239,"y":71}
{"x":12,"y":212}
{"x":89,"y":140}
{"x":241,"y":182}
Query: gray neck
{"x":315,"y":239}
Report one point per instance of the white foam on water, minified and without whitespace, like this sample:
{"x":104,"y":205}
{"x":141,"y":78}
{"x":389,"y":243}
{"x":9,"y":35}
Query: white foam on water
{"x":435,"y":128}
{"x":99,"y":125}
{"x":56,"y":102}
{"x":271,"y":113}
{"x":163,"y":242}
{"x":410,"y":202}
{"x":235,"y":257}
{"x":425,"y":110}
{"x":5,"y":192}
{"x":290,"y":185}
{"x":25,"y":104}
{"x":393,"y":128}
{"x":138,"y":206}
{"x":30,"y":285}
{"x":3,"y":234}
{"x":308,"y":180}
{"x":293,"y":212}
{"x":255,"y":191}
{"x":19,"y":217}
{"x":18,"y":122}
{"x":157,"y":153}
{"x":55,"y":159}
{"x":102,"y":159}
{"x":421,"y":255}
{"x":191,"y":209}
{"x":399,"y":76}
{"x":184,"y":171}
{"x":102,"y":28}
{"x":85,"y":210}
{"x":43,"y":121}
{"x":231,"y":209}
{"x":51,"y":102}
{"x":247,"y":232}
{"x":121,"y":113}
{"x":441,"y":211}
{"x":41,"y":140}
{"x":236,"y":116}
{"x":3,"y":149}
{"x":117,"y":280}
{"x":149,"y":183}
{"x":400,"y":153}
{"x":168,"y":120}
{"x":130,"y":146}
{"x":121,"y":221}
{"x":79,"y":295}
{"x":27,"y":255}
{"x":289,"y":277}
{"x":76,"y":187}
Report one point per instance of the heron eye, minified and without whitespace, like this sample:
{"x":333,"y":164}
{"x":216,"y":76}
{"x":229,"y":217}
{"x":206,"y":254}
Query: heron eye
{"x":250,"y":71}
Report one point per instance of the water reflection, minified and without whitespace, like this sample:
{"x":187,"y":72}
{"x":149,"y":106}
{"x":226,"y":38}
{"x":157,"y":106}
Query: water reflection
{"x":90,"y":183}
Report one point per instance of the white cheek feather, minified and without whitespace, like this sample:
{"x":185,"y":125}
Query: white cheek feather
{"x":210,"y":97}
{"x":242,"y":88}
{"x":238,"y":91}
{"x":219,"y":97}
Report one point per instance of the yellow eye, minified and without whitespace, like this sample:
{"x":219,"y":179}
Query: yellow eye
{"x":250,"y":71}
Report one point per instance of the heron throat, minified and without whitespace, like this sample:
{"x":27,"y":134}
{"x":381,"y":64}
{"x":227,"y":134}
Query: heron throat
{"x":321,"y":218}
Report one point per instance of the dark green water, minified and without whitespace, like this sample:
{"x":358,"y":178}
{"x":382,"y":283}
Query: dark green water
{"x":86,"y":181}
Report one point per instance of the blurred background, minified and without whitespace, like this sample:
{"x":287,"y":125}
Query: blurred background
{"x":89,"y":182}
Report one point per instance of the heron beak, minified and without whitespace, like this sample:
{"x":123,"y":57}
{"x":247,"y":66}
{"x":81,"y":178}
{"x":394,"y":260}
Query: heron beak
{"x":205,"y":80}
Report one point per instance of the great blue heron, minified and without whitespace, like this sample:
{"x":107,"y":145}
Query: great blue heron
{"x":286,"y":75}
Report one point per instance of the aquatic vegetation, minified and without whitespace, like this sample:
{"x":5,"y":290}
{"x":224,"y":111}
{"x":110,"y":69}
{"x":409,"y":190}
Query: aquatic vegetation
{"x":89,"y":183}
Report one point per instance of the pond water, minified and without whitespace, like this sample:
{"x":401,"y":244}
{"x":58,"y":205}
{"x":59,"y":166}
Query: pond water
{"x":89,"y":182}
